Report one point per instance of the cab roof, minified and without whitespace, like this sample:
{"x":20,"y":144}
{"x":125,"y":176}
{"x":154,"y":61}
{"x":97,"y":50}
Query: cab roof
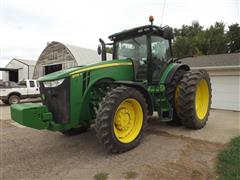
{"x":137,"y":32}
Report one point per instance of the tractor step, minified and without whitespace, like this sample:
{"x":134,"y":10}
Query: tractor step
{"x":165,"y":116}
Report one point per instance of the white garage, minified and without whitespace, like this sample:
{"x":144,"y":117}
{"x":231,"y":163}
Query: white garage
{"x":225,"y":87}
{"x":18,"y":69}
{"x":226,"y":94}
{"x":224,"y":71}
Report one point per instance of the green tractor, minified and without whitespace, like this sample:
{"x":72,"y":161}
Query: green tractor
{"x":119,"y":95}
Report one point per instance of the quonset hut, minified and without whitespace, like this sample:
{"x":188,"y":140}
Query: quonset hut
{"x":57,"y":56}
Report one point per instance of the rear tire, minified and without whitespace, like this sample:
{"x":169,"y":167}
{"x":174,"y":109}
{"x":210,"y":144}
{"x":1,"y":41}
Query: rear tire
{"x":195,"y":99}
{"x":121,"y":119}
{"x":13,"y":99}
{"x":171,"y":95}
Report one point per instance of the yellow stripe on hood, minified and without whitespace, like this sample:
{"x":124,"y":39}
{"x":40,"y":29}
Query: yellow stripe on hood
{"x":101,"y":66}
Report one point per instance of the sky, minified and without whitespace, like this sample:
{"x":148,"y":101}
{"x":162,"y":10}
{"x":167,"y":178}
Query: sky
{"x":27,"y":25}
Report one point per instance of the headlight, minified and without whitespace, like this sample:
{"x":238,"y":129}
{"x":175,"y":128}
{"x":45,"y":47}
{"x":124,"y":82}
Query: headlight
{"x":53,"y":83}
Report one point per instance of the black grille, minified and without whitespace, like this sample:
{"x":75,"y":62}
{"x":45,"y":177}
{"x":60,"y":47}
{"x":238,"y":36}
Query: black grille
{"x":57,"y":100}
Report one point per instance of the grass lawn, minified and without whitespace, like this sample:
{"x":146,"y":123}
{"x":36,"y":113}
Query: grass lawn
{"x":229,"y":161}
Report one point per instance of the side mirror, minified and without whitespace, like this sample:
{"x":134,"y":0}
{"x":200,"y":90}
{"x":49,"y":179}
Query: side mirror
{"x":99,"y":49}
{"x":168,"y":33}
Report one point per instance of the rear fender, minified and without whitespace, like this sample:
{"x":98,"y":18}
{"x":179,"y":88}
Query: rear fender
{"x":174,"y":70}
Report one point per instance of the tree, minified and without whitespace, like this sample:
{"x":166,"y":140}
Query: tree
{"x":194,"y":40}
{"x":189,"y":40}
{"x":233,"y":37}
{"x":215,"y":39}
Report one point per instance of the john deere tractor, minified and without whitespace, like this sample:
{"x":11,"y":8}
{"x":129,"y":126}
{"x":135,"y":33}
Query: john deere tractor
{"x":119,"y":95}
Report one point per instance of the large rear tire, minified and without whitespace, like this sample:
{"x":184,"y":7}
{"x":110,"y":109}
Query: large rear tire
{"x":121,"y":119}
{"x":172,"y":93}
{"x":195,"y":96}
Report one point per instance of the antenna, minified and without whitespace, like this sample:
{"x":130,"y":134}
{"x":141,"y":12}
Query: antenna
{"x":164,"y":3}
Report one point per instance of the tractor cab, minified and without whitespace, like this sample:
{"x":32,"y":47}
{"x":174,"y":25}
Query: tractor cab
{"x":149,"y":48}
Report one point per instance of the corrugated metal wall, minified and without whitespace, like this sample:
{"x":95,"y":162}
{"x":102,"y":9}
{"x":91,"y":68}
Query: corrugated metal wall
{"x":54,"y":53}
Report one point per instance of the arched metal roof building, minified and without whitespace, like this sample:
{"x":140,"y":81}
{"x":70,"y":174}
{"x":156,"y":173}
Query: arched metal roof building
{"x":57,"y":56}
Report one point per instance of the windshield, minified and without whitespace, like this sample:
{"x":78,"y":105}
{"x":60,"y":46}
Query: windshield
{"x":134,"y":48}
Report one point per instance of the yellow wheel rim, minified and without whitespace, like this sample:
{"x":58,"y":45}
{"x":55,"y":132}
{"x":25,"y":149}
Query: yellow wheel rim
{"x":128,"y":120}
{"x":202,"y":99}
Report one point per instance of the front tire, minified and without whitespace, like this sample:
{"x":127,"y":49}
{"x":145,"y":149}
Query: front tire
{"x":195,"y":96}
{"x":121,"y":119}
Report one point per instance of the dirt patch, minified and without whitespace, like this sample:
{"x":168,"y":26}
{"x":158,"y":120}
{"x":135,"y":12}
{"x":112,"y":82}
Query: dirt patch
{"x":197,"y":161}
{"x":167,"y":134}
{"x":6,"y":123}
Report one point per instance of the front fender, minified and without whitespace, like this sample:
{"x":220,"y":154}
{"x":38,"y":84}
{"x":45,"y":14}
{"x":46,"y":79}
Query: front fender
{"x":142,"y":89}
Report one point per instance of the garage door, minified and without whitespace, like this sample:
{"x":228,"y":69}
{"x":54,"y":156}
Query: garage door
{"x":226,"y":92}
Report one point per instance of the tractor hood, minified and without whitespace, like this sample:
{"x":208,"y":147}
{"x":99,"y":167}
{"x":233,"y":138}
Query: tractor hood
{"x":79,"y":69}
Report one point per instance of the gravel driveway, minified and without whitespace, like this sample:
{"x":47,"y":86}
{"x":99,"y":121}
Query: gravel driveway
{"x":165,"y":153}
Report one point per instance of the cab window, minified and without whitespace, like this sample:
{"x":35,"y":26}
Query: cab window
{"x":160,"y":48}
{"x":31,"y":83}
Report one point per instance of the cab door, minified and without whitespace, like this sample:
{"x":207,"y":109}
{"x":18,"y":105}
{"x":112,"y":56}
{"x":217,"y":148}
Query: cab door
{"x":159,"y":57}
{"x":135,"y":49}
